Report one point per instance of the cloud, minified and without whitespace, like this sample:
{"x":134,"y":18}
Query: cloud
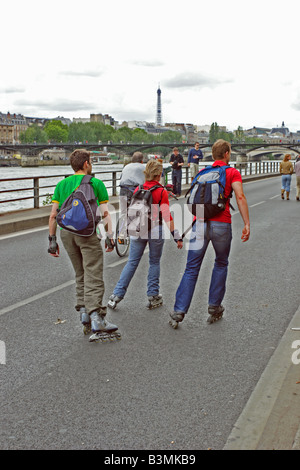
{"x":191,"y":80}
{"x":12,"y":90}
{"x":84,"y":73}
{"x":59,"y":105}
{"x":132,"y":114}
{"x":147,"y":62}
{"x":296,"y":105}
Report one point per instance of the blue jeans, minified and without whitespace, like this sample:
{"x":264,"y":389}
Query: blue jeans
{"x":176,"y":181}
{"x":286,"y":182}
{"x":220,"y":234}
{"x":136,"y":250}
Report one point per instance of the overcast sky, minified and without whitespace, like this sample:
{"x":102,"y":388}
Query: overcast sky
{"x":232,"y":62}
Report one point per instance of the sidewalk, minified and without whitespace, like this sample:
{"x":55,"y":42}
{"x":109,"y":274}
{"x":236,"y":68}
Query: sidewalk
{"x":271,"y":417}
{"x":30,"y":218}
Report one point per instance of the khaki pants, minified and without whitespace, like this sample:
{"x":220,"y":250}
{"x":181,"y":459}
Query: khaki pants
{"x":86,"y":255}
{"x":194,"y":168}
{"x":298,"y":186}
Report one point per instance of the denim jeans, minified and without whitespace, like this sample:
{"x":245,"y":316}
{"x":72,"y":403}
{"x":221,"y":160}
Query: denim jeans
{"x":220,"y":234}
{"x":176,"y":181}
{"x":286,"y":182}
{"x":136,"y":250}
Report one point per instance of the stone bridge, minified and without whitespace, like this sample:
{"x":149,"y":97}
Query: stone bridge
{"x":240,"y":151}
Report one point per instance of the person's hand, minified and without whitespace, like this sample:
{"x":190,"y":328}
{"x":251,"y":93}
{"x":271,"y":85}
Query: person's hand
{"x":179,"y":244}
{"x":245,"y":233}
{"x":109,"y":243}
{"x":53,"y":246}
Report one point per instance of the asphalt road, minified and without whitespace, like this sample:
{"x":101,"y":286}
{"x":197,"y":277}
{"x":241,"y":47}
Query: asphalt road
{"x":157,"y":388}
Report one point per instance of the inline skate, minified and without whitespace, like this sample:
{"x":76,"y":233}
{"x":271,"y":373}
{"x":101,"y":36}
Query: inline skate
{"x":175,"y":319}
{"x":102,"y":329}
{"x":215,"y":313}
{"x":154,"y":301}
{"x":85,"y":320}
{"x":113,"y":301}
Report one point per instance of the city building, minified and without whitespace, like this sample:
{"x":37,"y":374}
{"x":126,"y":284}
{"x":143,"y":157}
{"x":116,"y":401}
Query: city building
{"x":11,"y":126}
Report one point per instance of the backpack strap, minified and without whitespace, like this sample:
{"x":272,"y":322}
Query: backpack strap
{"x":86,"y":179}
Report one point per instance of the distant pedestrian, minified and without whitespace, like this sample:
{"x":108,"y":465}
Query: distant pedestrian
{"x":132,"y":175}
{"x":297,"y":171}
{"x":286,"y":170}
{"x":177,"y":162}
{"x":195,"y":155}
{"x":218,"y":231}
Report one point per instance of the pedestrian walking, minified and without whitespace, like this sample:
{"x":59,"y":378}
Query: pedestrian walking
{"x":194,"y":157}
{"x":216,"y":230}
{"x":153,"y":237}
{"x":297,"y":171}
{"x":85,"y":252}
{"x":132,"y":176}
{"x":177,"y":162}
{"x":286,"y":170}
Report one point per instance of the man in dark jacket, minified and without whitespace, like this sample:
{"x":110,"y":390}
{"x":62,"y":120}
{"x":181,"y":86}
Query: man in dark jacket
{"x":177,"y":162}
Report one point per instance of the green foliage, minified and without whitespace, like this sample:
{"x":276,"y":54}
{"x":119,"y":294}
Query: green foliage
{"x":48,"y":199}
{"x":91,"y":132}
{"x":33,"y":134}
{"x":57,"y":131}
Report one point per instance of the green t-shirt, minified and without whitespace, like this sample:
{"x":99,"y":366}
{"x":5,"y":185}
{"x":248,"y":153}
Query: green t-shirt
{"x":65,"y":187}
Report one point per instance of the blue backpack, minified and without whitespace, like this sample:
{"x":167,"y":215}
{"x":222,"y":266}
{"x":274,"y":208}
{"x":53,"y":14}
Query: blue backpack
{"x":208,"y":189}
{"x":79,"y":212}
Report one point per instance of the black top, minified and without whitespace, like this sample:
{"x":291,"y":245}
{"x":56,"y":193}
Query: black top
{"x":177,"y":159}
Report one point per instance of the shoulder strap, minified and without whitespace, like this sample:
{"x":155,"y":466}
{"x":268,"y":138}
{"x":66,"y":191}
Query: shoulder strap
{"x":86,"y":179}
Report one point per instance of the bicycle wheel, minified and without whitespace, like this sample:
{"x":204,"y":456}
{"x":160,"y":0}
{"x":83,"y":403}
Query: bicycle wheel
{"x":122,"y":243}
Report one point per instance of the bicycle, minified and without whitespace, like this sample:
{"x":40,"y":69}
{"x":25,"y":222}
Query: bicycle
{"x":122,"y":240}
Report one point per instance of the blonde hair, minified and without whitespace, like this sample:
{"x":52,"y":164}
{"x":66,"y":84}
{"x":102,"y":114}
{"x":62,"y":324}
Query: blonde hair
{"x":219,"y":149}
{"x":153,"y":169}
{"x":286,"y":157}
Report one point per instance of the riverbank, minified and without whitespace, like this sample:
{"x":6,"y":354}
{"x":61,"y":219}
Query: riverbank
{"x":26,"y":219}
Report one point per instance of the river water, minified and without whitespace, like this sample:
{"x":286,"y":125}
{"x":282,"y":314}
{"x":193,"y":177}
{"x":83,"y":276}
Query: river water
{"x":58,"y":173}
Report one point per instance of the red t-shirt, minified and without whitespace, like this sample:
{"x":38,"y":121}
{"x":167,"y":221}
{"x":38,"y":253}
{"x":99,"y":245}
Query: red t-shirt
{"x":159,"y":196}
{"x":232,"y":175}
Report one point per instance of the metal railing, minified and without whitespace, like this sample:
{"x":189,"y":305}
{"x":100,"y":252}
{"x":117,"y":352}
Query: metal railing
{"x":112,"y":184}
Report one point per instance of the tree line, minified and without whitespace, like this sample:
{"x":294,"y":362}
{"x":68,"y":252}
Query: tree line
{"x":93,"y":132}
{"x":96,"y":132}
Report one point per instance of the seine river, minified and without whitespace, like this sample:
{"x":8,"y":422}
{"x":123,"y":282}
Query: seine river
{"x":56,"y":173}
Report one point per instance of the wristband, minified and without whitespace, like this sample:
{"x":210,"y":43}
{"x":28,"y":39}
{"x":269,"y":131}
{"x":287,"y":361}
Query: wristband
{"x":175,"y":234}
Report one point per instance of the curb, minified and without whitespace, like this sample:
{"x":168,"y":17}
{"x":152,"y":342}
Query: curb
{"x":271,"y":417}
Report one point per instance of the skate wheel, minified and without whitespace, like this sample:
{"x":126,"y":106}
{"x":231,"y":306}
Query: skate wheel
{"x":174,"y":324}
{"x":86,"y":329}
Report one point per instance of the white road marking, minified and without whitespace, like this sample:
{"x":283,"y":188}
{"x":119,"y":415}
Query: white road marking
{"x":36,"y":297}
{"x":23,"y":232}
{"x":257,"y":204}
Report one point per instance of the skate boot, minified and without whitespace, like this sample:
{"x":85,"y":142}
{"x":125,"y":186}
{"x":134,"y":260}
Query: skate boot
{"x":175,"y":319}
{"x":154,"y":301}
{"x":113,"y":301}
{"x":102,"y":329}
{"x":85,"y":320}
{"x":215,"y":313}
